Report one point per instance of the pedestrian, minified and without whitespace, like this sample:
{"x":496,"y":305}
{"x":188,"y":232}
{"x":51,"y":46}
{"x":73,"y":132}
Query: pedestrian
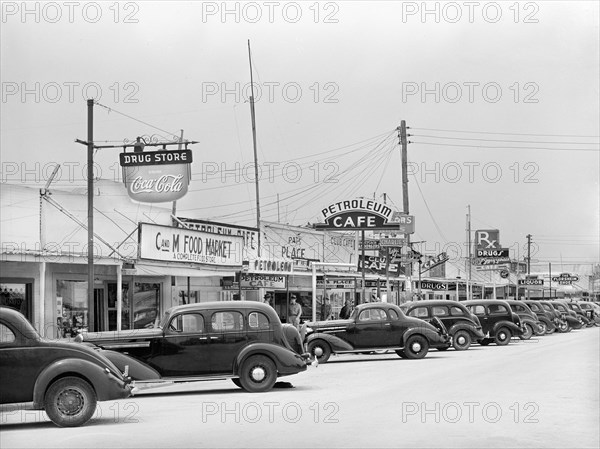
{"x":294,"y":312}
{"x":345,"y":312}
{"x":325,"y":309}
{"x":268,"y":299}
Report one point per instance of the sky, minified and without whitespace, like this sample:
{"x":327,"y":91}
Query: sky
{"x":501,"y":100}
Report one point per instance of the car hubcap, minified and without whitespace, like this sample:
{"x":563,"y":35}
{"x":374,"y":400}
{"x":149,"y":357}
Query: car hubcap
{"x":318,"y":351}
{"x":502,"y":336}
{"x":416,"y":347}
{"x":461,"y":340}
{"x":70,"y":402}
{"x":258,"y":374}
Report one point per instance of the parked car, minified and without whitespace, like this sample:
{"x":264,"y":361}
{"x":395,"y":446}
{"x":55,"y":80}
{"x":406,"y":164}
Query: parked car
{"x":498,"y":322}
{"x":570,"y":318}
{"x":64,"y":379}
{"x":583,"y":316}
{"x":241,"y":340}
{"x":548,"y":318}
{"x":529,"y":319}
{"x":592,"y":310}
{"x":462,"y":326}
{"x":375,"y":327}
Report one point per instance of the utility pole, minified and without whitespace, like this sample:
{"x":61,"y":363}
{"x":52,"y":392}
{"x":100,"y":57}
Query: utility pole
{"x":469,"y":255}
{"x":529,"y":253}
{"x":253,"y":117}
{"x":404,"y":161}
{"x":90,"y":217}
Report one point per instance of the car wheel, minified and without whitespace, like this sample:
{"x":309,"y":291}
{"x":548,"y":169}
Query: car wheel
{"x":237,"y":382}
{"x":461,"y":340}
{"x":416,"y":347}
{"x":542,"y":329}
{"x":550,"y":330}
{"x":564,"y":327}
{"x":319,"y":350}
{"x":258,"y":374}
{"x":70,"y":402}
{"x":503,"y":336}
{"x":528,"y":332}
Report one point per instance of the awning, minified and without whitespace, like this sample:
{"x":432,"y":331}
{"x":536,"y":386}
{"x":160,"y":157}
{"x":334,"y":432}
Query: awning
{"x":147,"y":269}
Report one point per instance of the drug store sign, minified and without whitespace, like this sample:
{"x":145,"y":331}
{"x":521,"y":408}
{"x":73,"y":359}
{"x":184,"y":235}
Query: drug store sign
{"x":156,"y":176}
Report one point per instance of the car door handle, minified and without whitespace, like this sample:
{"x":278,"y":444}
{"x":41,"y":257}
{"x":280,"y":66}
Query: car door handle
{"x":202,"y":338}
{"x":214,"y":338}
{"x":387,"y":324}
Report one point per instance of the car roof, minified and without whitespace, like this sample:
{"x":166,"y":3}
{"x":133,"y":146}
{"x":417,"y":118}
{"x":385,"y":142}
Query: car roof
{"x":17,"y":319}
{"x":222,"y":305}
{"x":433,"y":302}
{"x":370,"y":305}
{"x":485,"y":301}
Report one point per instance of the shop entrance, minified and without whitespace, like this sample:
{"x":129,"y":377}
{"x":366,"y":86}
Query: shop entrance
{"x":100,"y":312}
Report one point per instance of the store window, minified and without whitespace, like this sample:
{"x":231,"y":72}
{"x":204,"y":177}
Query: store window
{"x":18,"y":296}
{"x":146,"y":303}
{"x":112,"y":306}
{"x":71,"y":307}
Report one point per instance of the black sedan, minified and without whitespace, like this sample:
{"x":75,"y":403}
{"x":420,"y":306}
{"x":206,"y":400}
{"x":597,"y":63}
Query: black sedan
{"x":64,"y":379}
{"x":463,"y":327}
{"x":241,"y":340}
{"x":374,"y":327}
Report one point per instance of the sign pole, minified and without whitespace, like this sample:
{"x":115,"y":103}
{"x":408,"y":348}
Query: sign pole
{"x":364,"y":287}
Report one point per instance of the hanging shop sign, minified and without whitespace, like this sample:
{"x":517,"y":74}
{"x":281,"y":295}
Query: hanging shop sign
{"x":363,"y":214}
{"x":432,"y":262}
{"x":565,"y":279}
{"x":336,"y":283}
{"x":377,"y":265}
{"x":156,"y":176}
{"x":257,"y":280}
{"x":169,"y":244}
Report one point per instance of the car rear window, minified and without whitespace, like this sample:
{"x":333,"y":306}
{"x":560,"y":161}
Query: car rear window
{"x":439,"y":311}
{"x":477,"y":310}
{"x":497,"y":308}
{"x":372,"y":315}
{"x":258,"y":320}
{"x":419,"y":312}
{"x":456,"y":311}
{"x":393,"y":314}
{"x":6,"y":335}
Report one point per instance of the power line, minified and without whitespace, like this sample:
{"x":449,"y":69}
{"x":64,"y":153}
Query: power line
{"x":504,"y":133}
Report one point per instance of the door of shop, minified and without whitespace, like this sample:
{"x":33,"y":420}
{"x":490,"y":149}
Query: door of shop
{"x":100,"y":311}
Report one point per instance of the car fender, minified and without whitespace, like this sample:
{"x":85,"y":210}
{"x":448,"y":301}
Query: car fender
{"x":472,"y":330}
{"x":530,"y":321}
{"x":135,"y":369}
{"x":286,"y":360}
{"x":335,"y":343}
{"x":105,"y":383}
{"x":432,"y":336}
{"x":516,"y":330}
{"x":548,"y":322}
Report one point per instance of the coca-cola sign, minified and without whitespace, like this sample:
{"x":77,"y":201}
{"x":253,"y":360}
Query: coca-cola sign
{"x":156,"y":176}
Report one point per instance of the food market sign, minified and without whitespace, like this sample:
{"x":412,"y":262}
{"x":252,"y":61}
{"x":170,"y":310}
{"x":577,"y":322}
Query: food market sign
{"x":156,"y":176}
{"x":171,"y":244}
{"x":565,"y":279}
{"x":363,"y":214}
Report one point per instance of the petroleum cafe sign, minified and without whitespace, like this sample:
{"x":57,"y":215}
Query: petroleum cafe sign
{"x":171,"y":244}
{"x":156,"y":176}
{"x":364,"y":214}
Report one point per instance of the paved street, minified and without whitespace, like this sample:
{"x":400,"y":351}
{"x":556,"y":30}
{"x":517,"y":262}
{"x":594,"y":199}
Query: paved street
{"x":538,"y":393}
